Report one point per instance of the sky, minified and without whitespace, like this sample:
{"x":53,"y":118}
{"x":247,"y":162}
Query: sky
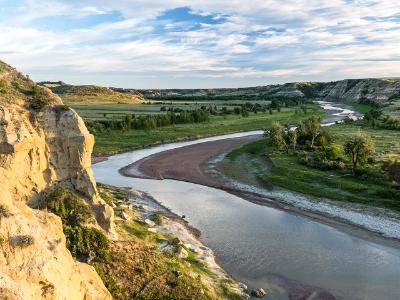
{"x":200,"y":43}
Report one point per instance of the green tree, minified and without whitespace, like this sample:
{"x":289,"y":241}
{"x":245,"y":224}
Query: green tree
{"x":128,"y":122}
{"x":292,"y":136}
{"x":359,"y":148}
{"x":276,"y":136}
{"x":310,"y":129}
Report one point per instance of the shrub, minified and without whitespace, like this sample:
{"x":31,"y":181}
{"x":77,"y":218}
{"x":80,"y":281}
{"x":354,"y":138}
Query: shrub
{"x":319,"y":161}
{"x":68,"y":206}
{"x":333,"y":152}
{"x":2,"y":86}
{"x":39,"y":100}
{"x":84,"y":242}
{"x":392,"y":169}
{"x":22,"y":241}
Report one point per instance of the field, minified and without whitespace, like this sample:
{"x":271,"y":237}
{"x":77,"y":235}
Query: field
{"x":393,"y":109}
{"x":371,"y":188}
{"x":115,"y":141}
{"x":118,"y":111}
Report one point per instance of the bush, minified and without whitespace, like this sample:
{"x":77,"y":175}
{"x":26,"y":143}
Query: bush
{"x":2,"y":86}
{"x":39,"y":100}
{"x":68,"y":206}
{"x":85,"y":242}
{"x":333,"y":152}
{"x":318,"y":160}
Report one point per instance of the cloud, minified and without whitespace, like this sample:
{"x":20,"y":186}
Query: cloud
{"x":237,"y":42}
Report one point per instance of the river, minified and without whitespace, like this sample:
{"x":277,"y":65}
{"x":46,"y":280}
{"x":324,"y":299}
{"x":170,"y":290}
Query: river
{"x":267,"y":247}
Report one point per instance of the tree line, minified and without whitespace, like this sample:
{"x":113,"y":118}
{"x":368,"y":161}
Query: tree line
{"x":316,"y":145}
{"x":148,"y":122}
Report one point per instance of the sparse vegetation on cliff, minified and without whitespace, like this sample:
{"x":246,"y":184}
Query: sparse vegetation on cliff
{"x":152,"y":273}
{"x":85,"y":243}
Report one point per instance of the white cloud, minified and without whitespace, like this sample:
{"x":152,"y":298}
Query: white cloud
{"x":269,"y":39}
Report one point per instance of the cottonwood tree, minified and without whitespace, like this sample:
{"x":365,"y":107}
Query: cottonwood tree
{"x":276,"y":136}
{"x":359,"y":148}
{"x":312,"y":128}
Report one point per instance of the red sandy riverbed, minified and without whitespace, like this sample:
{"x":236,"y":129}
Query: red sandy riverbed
{"x":185,"y":163}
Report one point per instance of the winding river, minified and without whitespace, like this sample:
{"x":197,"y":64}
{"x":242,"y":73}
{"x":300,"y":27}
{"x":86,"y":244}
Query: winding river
{"x":288,"y":254}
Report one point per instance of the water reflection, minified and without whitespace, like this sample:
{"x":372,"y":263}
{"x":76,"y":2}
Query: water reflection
{"x":266,"y":247}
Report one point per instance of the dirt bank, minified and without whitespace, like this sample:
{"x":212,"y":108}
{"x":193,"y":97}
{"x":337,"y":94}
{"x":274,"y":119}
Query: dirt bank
{"x":185,"y":163}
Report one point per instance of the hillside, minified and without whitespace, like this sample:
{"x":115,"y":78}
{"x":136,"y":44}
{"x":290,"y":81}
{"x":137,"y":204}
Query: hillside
{"x":92,"y":94}
{"x":43,"y":145}
{"x":63,"y":237}
{"x":357,"y":90}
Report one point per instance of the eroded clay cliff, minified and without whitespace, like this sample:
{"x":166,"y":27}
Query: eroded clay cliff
{"x":40,"y":148}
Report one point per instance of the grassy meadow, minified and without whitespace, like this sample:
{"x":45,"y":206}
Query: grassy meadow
{"x":114,"y":141}
{"x":370,"y":188}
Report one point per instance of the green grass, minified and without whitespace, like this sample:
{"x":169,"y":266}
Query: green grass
{"x":119,"y":141}
{"x":118,"y":111}
{"x":360,"y":107}
{"x":371,"y":190}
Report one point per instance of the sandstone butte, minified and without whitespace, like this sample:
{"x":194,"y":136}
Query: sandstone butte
{"x":40,"y":148}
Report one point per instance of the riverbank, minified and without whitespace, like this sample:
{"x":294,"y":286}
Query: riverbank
{"x":163,"y":252}
{"x":111,"y":141}
{"x":190,"y":164}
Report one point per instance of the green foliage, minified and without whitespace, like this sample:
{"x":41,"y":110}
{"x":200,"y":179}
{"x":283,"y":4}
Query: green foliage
{"x":3,"y":86}
{"x":276,"y":136}
{"x":110,"y":283}
{"x":87,"y":242}
{"x":309,"y":130}
{"x":39,"y":100}
{"x":359,"y":148}
{"x":83,"y":242}
{"x":67,"y":205}
{"x":318,"y":160}
{"x":333,"y":152}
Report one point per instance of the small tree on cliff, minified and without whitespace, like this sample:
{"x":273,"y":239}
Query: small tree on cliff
{"x":359,"y":148}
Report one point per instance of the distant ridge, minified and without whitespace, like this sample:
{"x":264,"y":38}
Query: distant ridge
{"x":92,"y":93}
{"x":378,"y":90}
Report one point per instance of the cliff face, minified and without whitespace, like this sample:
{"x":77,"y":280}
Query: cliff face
{"x":375,"y":90}
{"x":40,"y":149}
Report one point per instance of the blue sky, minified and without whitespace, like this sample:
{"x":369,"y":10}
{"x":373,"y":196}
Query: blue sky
{"x":200,"y":43}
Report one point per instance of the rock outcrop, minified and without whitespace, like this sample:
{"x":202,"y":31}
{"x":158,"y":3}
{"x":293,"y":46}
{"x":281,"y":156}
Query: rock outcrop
{"x":379,"y":90}
{"x":39,"y":149}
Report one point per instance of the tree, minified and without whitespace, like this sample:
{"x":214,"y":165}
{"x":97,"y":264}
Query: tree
{"x":127,"y":122}
{"x":292,"y":136}
{"x":276,"y":136}
{"x":359,"y":148}
{"x":310,"y":129}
